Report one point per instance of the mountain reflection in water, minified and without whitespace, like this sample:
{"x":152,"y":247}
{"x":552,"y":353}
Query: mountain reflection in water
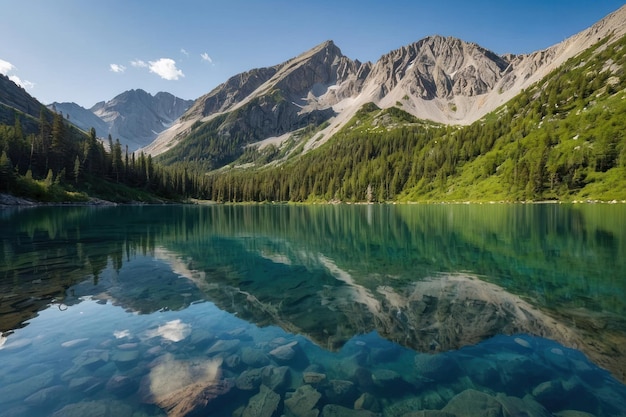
{"x":430,"y":278}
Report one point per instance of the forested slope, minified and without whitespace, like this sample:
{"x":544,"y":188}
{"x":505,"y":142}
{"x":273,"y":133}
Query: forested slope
{"x":563,"y":138}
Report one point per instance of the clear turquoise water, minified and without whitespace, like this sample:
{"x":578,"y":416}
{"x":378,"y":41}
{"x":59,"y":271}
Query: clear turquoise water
{"x":393,"y":309}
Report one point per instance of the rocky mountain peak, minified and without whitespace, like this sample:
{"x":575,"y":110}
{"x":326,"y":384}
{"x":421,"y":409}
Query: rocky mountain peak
{"x":135,"y":117}
{"x":440,"y":67}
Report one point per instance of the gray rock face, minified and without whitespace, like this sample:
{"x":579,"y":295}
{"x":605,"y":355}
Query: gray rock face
{"x":135,"y":117}
{"x":439,"y":67}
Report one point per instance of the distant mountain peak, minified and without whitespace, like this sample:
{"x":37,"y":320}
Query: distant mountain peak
{"x":135,"y":117}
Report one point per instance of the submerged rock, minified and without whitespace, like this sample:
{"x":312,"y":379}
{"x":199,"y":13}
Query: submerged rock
{"x":438,"y":367}
{"x":550,"y":394}
{"x":254,"y":357}
{"x":121,"y":385}
{"x":472,"y":403}
{"x":125,"y":359}
{"x":483,"y":372}
{"x":75,"y":343}
{"x":223,"y":346}
{"x":193,"y":399}
{"x":514,"y":406}
{"x":26,"y":387}
{"x":341,"y":392}
{"x":276,"y":378}
{"x":102,"y":408}
{"x":303,"y":402}
{"x":86,"y":384}
{"x":334,"y":410}
{"x":45,"y":396}
{"x":313,"y":378}
{"x":249,"y":380}
{"x":367,"y":402}
{"x":264,"y":404}
{"x":389,"y":382}
{"x":285,"y":353}
{"x":92,"y":359}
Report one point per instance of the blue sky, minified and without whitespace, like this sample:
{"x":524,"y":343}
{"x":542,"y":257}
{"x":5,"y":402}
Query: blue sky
{"x":87,"y":51}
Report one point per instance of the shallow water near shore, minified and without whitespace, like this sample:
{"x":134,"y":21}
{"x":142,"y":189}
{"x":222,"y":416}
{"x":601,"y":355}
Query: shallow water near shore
{"x":343,"y":310}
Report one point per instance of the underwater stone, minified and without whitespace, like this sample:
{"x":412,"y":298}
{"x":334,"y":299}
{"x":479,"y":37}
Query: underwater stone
{"x":313,"y":378}
{"x":557,"y":358}
{"x":264,"y":404}
{"x":250,"y":379}
{"x":284,"y":353}
{"x":363,"y":379}
{"x":276,"y":378}
{"x":223,"y":346}
{"x":388,"y":380}
{"x":45,"y":396}
{"x":254,"y":357}
{"x":429,"y":413}
{"x":341,"y":392}
{"x":432,"y":400}
{"x":92,"y":359}
{"x":125,"y":359}
{"x":85,"y":384}
{"x":550,"y":394}
{"x":75,"y":343}
{"x":472,"y":403}
{"x":438,"y":367}
{"x":483,"y":372}
{"x":302,"y":403}
{"x":515,"y":406}
{"x":573,"y":413}
{"x":201,"y":338}
{"x":367,"y":402}
{"x":121,"y":385}
{"x":232,"y":361}
{"x":26,"y":387}
{"x":102,"y":408}
{"x":334,"y":410}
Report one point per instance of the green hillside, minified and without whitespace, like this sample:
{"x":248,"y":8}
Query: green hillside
{"x":564,"y":138}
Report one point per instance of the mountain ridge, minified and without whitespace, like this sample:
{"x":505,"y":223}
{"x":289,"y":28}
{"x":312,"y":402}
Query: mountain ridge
{"x":442,"y":79}
{"x":134,"y":116}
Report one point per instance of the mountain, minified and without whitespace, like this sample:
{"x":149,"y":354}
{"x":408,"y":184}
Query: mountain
{"x":134,"y":117}
{"x":273,"y":101}
{"x":81,"y":117}
{"x":442,"y":79}
{"x":14,"y":98}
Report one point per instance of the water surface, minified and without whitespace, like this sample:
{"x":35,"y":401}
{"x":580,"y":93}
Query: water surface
{"x":291,"y":310}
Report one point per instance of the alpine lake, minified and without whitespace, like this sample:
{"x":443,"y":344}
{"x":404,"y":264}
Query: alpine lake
{"x":329,"y":310}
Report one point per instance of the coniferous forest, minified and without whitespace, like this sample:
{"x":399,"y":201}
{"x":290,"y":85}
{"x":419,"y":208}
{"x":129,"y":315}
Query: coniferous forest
{"x":564,"y":138}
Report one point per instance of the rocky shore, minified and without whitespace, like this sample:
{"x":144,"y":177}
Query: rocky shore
{"x":8,"y":200}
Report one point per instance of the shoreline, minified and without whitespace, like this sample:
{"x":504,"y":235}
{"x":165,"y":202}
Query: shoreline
{"x":11,"y":201}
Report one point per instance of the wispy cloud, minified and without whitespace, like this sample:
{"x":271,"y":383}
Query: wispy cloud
{"x":138,"y":63}
{"x":22,"y":83}
{"x":184,"y":52}
{"x":7,"y":68}
{"x":206,"y":57}
{"x":166,"y":69}
{"x":117,"y":68}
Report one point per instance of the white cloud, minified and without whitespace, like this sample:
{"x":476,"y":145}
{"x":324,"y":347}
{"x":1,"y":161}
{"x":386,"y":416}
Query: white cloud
{"x":206,"y":57}
{"x":22,"y":83}
{"x":138,"y":63}
{"x":117,"y":68}
{"x":166,"y":69}
{"x":184,"y":52}
{"x":6,"y":67}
